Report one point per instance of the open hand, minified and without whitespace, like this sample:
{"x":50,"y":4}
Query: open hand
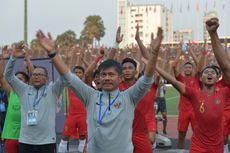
{"x":46,"y":42}
{"x":17,"y":50}
{"x":156,"y":43}
{"x":119,"y":37}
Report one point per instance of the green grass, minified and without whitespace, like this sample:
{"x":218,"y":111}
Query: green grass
{"x":172,"y":98}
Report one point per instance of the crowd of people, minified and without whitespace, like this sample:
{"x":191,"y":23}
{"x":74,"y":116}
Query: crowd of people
{"x":111,"y":94}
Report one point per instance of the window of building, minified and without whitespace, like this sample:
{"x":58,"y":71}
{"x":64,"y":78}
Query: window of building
{"x":139,"y":15}
{"x":133,"y":10}
{"x":141,"y":34}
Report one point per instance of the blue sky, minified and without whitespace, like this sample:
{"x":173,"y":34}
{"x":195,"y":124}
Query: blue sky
{"x":57,"y":16}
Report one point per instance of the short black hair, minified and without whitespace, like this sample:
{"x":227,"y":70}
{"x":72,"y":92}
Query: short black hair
{"x":25,"y":75}
{"x":110,"y":63}
{"x":95,"y":73}
{"x":214,"y":67}
{"x":44,"y":69}
{"x":80,"y":68}
{"x":129,"y":60}
{"x":188,"y":63}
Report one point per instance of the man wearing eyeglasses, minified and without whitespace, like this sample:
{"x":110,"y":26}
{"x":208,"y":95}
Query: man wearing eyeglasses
{"x":38,"y":107}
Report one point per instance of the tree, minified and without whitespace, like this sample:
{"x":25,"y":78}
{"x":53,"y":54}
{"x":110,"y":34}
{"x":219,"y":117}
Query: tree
{"x":36,"y":48}
{"x":66,"y":39}
{"x":94,"y":28}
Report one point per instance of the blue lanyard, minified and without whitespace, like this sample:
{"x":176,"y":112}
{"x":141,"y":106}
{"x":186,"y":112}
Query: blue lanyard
{"x":37,"y":99}
{"x":2,"y":95}
{"x":103,"y":115}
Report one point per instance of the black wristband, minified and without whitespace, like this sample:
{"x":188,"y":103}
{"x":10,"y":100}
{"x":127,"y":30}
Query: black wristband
{"x":52,"y":55}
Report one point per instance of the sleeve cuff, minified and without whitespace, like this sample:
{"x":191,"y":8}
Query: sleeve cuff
{"x":148,"y":79}
{"x":12,"y":58}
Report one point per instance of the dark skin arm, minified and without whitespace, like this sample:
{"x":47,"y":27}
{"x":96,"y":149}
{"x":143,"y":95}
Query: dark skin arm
{"x":220,"y":54}
{"x":119,"y":38}
{"x":143,"y":49}
{"x":155,"y":47}
{"x":177,"y":84}
{"x":175,"y":64}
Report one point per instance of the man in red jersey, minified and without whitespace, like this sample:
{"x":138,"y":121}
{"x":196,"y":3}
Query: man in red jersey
{"x":226,"y":123}
{"x":186,"y":114}
{"x":189,"y":77}
{"x":75,"y":125}
{"x":208,"y":103}
{"x":144,"y":125}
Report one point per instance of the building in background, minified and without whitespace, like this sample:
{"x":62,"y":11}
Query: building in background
{"x":207,"y":16}
{"x":148,"y":17}
{"x":183,"y":34}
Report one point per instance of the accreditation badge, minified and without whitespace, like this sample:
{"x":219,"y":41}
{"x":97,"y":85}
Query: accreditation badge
{"x":32,"y":118}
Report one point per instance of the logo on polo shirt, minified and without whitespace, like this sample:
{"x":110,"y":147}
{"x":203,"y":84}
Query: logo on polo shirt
{"x":117,"y":105}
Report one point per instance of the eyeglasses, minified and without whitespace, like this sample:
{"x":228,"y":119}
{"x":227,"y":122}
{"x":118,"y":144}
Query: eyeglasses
{"x":38,"y":74}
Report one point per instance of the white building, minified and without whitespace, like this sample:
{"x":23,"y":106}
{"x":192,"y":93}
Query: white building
{"x":207,"y":16}
{"x":148,"y":17}
{"x":183,"y":34}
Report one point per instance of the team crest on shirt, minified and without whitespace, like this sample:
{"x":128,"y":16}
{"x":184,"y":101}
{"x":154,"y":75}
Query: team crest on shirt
{"x":117,"y":105}
{"x":217,"y":101}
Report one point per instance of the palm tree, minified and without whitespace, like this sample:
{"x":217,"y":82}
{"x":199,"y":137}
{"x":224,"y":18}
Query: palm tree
{"x":94,"y":28}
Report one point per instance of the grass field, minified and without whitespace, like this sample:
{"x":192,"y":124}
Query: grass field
{"x":172,"y":99}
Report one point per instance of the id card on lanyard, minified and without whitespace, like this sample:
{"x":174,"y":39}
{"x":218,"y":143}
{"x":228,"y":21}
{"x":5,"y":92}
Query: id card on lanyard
{"x":101,"y":114}
{"x":32,"y":116}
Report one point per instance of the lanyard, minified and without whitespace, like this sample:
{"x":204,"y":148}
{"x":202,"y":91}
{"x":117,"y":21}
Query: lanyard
{"x":37,"y":99}
{"x":103,"y":115}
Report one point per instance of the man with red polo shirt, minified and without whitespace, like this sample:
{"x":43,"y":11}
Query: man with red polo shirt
{"x":144,"y":125}
{"x":208,"y":103}
{"x":226,"y":124}
{"x":75,"y":125}
{"x":186,"y":113}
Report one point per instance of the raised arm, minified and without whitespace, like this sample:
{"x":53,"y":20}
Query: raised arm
{"x":137,"y":91}
{"x":49,"y":44}
{"x":28,"y":64}
{"x":114,"y":49}
{"x":5,"y":86}
{"x":155,"y":47}
{"x":220,"y":54}
{"x":89,"y":71}
{"x":177,"y":84}
{"x":143,"y":49}
{"x":17,"y":85}
{"x":80,"y":89}
{"x":203,"y":58}
{"x":175,"y":64}
{"x":191,"y":49}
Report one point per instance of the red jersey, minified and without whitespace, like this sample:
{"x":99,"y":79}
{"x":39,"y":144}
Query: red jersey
{"x":144,"y":120}
{"x":75,"y":105}
{"x":208,"y":111}
{"x":144,"y":114}
{"x":222,"y":84}
{"x":192,"y":82}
